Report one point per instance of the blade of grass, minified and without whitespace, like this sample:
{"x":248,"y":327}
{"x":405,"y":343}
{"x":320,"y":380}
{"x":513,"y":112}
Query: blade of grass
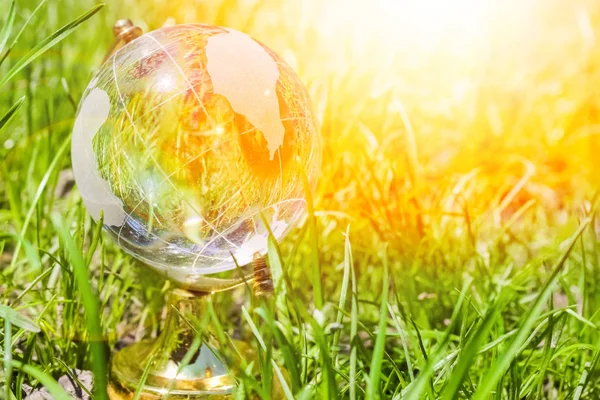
{"x":7,"y":28}
{"x":413,"y":390}
{"x":261,"y":342}
{"x":7,"y":358}
{"x":500,"y":366}
{"x":30,"y":250}
{"x":353,"y":334}
{"x":94,"y":244}
{"x":12,"y":111}
{"x":286,"y":349}
{"x":51,"y":169}
{"x":15,"y":318}
{"x":47,"y":43}
{"x":581,"y":319}
{"x":343,"y":294}
{"x":425,"y":377}
{"x":90,"y":302}
{"x":468,"y":354}
{"x":18,"y":35}
{"x":276,"y":265}
{"x":588,"y":370}
{"x":377,"y":359}
{"x":74,"y":378}
{"x":27,"y":356}
{"x":538,"y":385}
{"x":314,"y":241}
{"x":404,"y":340}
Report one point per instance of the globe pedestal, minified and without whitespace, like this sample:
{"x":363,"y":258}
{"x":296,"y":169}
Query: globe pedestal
{"x":185,"y":361}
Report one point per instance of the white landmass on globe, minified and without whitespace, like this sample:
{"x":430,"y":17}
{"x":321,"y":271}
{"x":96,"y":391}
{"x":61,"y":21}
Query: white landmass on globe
{"x":95,"y":191}
{"x":244,"y":73}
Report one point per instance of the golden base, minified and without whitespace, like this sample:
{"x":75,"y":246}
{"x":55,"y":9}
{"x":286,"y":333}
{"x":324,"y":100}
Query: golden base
{"x":206,"y":377}
{"x":182,"y":363}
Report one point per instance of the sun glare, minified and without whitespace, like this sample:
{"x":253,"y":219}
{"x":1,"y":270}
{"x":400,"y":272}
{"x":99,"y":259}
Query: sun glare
{"x":429,"y":20}
{"x":384,"y":29}
{"x":435,"y":17}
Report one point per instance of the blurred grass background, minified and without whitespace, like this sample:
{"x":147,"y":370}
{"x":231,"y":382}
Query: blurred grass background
{"x":461,"y":144}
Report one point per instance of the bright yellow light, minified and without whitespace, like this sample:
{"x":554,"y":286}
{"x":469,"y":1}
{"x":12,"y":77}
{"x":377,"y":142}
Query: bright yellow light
{"x":434,"y":26}
{"x":436,"y":17}
{"x":369,"y":34}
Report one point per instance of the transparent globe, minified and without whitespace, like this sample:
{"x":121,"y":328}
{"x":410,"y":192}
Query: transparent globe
{"x":187,"y":141}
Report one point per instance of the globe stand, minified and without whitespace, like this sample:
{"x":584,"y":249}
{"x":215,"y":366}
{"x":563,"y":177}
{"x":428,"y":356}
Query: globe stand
{"x":185,"y":361}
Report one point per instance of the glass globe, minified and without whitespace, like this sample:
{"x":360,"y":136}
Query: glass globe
{"x":184,"y":138}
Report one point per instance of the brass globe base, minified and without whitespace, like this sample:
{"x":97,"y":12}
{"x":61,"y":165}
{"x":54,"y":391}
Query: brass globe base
{"x":194,"y":381}
{"x":184,"y":362}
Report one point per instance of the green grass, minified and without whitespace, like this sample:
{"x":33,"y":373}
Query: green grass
{"x":452,"y":250}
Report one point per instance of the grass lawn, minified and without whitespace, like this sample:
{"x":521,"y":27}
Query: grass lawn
{"x":452,"y":250}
